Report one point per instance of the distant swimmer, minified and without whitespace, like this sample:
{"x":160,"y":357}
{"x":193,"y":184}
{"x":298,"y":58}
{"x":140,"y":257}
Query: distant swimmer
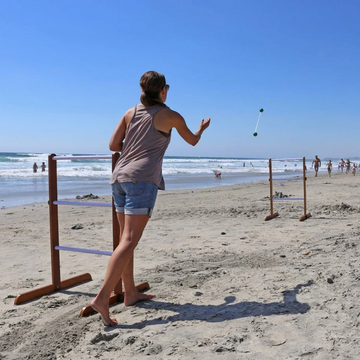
{"x":35,"y":167}
{"x":43,"y":167}
{"x":316,"y":163}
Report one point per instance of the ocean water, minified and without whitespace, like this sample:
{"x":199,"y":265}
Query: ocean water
{"x":20,"y":186}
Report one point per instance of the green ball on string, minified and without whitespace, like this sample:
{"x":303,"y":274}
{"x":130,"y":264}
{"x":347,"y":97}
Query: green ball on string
{"x":261,"y":111}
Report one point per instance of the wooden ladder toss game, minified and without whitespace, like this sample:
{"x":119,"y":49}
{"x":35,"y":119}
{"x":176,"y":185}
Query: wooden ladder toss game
{"x":275,"y":214}
{"x":58,"y":284}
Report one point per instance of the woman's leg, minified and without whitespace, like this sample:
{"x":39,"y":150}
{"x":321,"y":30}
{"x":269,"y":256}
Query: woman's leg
{"x":121,"y":220}
{"x":134,"y":226}
{"x":132,"y":295}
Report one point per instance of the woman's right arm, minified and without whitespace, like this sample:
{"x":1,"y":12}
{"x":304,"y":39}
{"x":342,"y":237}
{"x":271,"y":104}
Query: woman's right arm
{"x":191,"y":138}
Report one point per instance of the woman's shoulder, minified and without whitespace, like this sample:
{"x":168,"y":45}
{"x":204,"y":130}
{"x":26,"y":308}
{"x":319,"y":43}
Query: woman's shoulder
{"x":129,"y":114}
{"x":170,"y":113}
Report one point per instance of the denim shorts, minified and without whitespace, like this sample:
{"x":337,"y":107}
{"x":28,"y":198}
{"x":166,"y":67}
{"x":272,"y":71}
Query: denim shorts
{"x":134,"y":198}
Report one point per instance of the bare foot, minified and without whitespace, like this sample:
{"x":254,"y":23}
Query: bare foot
{"x":104,"y":313}
{"x":131,"y":299}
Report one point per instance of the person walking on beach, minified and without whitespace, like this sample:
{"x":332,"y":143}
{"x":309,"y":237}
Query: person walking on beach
{"x":347,"y":166}
{"x":316,"y":163}
{"x":35,"y":167}
{"x":329,"y":167}
{"x":342,"y":164}
{"x":142,"y":136}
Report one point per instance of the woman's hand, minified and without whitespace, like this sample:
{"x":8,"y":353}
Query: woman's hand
{"x":204,"y":124}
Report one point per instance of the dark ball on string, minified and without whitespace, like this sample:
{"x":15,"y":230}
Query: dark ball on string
{"x":261,"y":110}
{"x":255,"y":133}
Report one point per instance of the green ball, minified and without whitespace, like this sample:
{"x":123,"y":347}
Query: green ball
{"x":261,"y":110}
{"x":255,"y":133}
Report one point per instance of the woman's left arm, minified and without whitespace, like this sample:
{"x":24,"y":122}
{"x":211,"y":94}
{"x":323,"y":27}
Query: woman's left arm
{"x":117,"y":138}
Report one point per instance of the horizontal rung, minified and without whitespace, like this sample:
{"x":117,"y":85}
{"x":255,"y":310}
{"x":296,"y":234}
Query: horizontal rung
{"x":87,"y":251}
{"x":85,"y":157}
{"x":288,"y":199}
{"x":79,"y":203}
{"x":289,"y":179}
{"x":291,"y":159}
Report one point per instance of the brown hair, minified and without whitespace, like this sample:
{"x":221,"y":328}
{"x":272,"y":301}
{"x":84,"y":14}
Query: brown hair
{"x":152,"y":82}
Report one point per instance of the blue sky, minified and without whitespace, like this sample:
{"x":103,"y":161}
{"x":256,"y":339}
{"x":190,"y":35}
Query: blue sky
{"x":70,"y":69}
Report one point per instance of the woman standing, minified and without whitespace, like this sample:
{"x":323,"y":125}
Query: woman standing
{"x":142,"y":136}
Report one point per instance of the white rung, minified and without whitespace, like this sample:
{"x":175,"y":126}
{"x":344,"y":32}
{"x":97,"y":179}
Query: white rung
{"x":278,"y":199}
{"x":87,"y":251}
{"x":79,"y":203}
{"x":293,"y":159}
{"x":83,"y":157}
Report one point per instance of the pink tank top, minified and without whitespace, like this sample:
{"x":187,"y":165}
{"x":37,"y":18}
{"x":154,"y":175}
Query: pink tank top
{"x":144,"y":149}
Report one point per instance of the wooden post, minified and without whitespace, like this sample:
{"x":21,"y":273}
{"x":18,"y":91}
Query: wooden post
{"x":272,"y":214}
{"x":116,"y":227}
{"x":116,"y":230}
{"x":271,"y":188}
{"x":305,"y":216}
{"x":304,"y":184}
{"x":54,"y":222}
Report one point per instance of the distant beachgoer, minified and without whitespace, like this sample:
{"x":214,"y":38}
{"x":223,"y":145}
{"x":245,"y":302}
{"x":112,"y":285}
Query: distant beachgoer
{"x":316,"y":163}
{"x":347,"y":166}
{"x":142,"y":136}
{"x":35,"y":167}
{"x":354,"y":169}
{"x":243,"y":164}
{"x":218,"y":175}
{"x":329,"y":167}
{"x":342,"y":164}
{"x":43,"y":167}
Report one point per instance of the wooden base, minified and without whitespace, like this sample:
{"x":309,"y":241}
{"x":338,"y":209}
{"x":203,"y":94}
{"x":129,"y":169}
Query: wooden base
{"x":49,"y":289}
{"x":272,"y":216}
{"x":304,"y":217}
{"x":114,"y":298}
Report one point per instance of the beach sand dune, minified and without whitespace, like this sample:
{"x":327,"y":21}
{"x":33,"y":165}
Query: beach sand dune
{"x":229,"y":285}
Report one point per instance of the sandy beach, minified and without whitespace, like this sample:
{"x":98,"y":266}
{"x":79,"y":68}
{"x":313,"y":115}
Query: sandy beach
{"x":228,"y":284}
